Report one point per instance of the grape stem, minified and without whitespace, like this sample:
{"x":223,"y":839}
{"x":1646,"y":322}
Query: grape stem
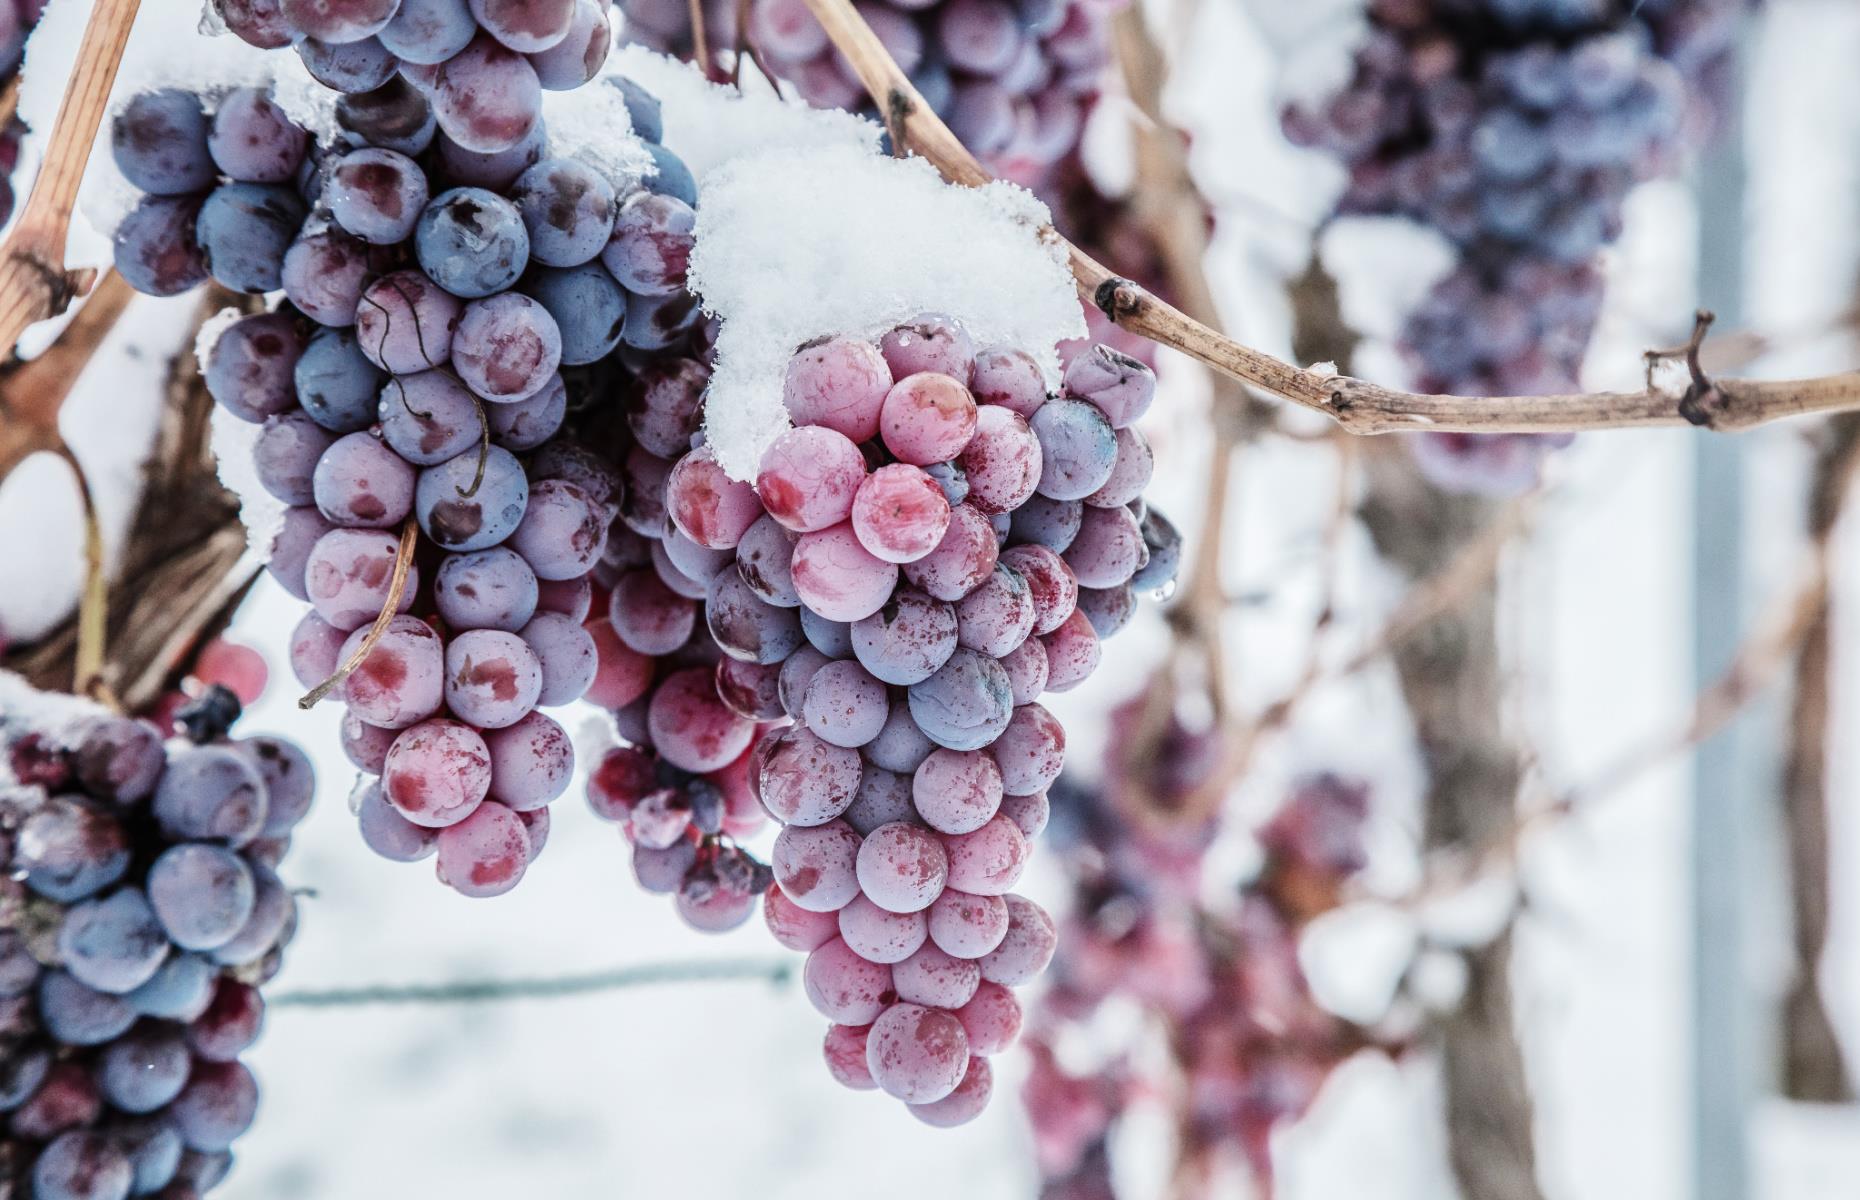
{"x":397,"y":587}
{"x":1357,"y":405}
{"x":34,"y":283}
{"x":551,"y":987}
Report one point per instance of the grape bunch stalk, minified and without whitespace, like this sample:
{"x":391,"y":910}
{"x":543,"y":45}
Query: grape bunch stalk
{"x":934,"y":544}
{"x":1516,"y":129}
{"x":140,"y":912}
{"x":451,"y":291}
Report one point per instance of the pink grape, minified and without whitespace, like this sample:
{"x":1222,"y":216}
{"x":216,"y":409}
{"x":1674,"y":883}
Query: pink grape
{"x":844,"y":987}
{"x":786,"y":31}
{"x":571,"y":597}
{"x":723,"y":907}
{"x":666,"y":407}
{"x":845,"y":1055}
{"x":794,"y":927}
{"x":389,"y":834}
{"x":992,"y":1019}
{"x":578,"y":57}
{"x":765,"y":560}
{"x":997,"y":616}
{"x":624,"y":674}
{"x":931,"y":977}
{"x":706,"y":505}
{"x":1072,"y":653}
{"x":360,"y":483}
{"x":962,"y":560}
{"x":879,"y":936}
{"x":691,"y":727}
{"x":562,"y":531}
{"x":964,"y":925}
{"x":1118,"y":385}
{"x":1027,"y":948}
{"x":900,"y":746}
{"x":403,"y":678}
{"x":404,"y":323}
{"x":989,"y":861}
{"x":366,"y":745}
{"x":650,"y":617}
{"x":839,"y":383}
{"x":917,"y":1054}
{"x":1029,"y":813}
{"x":809,"y":476}
{"x":927,"y":418}
{"x":899,"y":513}
{"x":930,"y":342}
{"x":492,"y":678}
{"x":1005,"y":460}
{"x":1108,"y":550}
{"x":526,"y":26}
{"x":1054,"y":588}
{"x":536,"y":825}
{"x":376,"y":195}
{"x":324,"y":273}
{"x":487,"y":589}
{"x":902,"y":867}
{"x":752,"y":690}
{"x":906,"y":641}
{"x":437,"y":773}
{"x":838,"y":577}
{"x":428,"y":418}
{"x":285,"y":456}
{"x":567,"y":655}
{"x":1026,"y":669}
{"x":844,"y":705}
{"x":486,"y":853}
{"x":957,"y":791}
{"x":651,"y":244}
{"x":883,"y":797}
{"x":1030,"y":751}
{"x":966,"y":1102}
{"x":981,"y":36}
{"x":314,"y":645}
{"x":748,"y":627}
{"x":486,"y":97}
{"x":506,"y":347}
{"x":816,"y":865}
{"x":791,"y":680}
{"x":805,"y":780}
{"x":1130,"y":474}
{"x":1008,"y":377}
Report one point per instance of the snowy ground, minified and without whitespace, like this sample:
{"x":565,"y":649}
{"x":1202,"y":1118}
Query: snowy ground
{"x":715,"y":1089}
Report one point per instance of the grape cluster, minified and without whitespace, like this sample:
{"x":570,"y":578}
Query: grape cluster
{"x":1014,"y":79}
{"x":1248,"y":1042}
{"x":1516,"y":129}
{"x":483,"y":62}
{"x":934,"y":544}
{"x":140,"y":911}
{"x":447,"y":304}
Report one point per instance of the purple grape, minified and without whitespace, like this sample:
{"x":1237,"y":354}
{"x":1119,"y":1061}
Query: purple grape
{"x":159,"y":140}
{"x":506,"y":347}
{"x":216,"y":1106}
{"x":908,"y":640}
{"x":748,"y":627}
{"x":457,"y":517}
{"x":362,"y":484}
{"x":180,"y":989}
{"x":252,"y":365}
{"x":377,"y":195}
{"x":81,"y":1165}
{"x":486,"y":97}
{"x":429,"y":418}
{"x":493,"y":678}
{"x":113,"y":944}
{"x":290,"y":550}
{"x":966,"y":704}
{"x":489,"y":589}
{"x":568,"y":209}
{"x":404,"y":323}
{"x":210,"y":793}
{"x":337,"y":21}
{"x":525,"y":424}
{"x":202,"y":894}
{"x":589,"y":308}
{"x":285,"y":456}
{"x":472,"y":242}
{"x":143,"y":1070}
{"x":429,"y":32}
{"x":496,"y":170}
{"x":243,"y":231}
{"x":568,"y":657}
{"x":156,"y":248}
{"x":252,"y":139}
{"x":324,"y":273}
{"x":394,"y":116}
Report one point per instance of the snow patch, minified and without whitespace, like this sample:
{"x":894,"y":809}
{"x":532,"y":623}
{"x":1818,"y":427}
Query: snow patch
{"x":1354,"y":958}
{"x":797,"y":244}
{"x":260,"y":512}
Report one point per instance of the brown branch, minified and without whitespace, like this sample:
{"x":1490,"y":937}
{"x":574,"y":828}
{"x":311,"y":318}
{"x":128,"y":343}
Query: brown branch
{"x":178,"y":573}
{"x":34,"y":283}
{"x":32,"y":393}
{"x":397,"y":586}
{"x":1356,"y":405}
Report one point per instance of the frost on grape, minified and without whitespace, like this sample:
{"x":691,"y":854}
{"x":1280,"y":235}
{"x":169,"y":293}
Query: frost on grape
{"x":708,"y":124}
{"x":805,"y":243}
{"x":233,"y":440}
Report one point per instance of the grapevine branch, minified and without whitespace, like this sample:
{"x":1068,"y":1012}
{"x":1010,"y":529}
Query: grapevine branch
{"x":1357,"y":405}
{"x":552,"y":987}
{"x":34,"y":283}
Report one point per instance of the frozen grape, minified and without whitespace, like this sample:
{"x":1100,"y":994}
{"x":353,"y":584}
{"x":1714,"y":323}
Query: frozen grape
{"x":393,"y":116}
{"x":931,"y":977}
{"x":883,"y":797}
{"x":805,"y":780}
{"x":428,"y":31}
{"x":998,"y":615}
{"x":794,"y":927}
{"x":362,"y":484}
{"x":243,"y":230}
{"x":460,"y":511}
{"x":201,"y":894}
{"x":902,"y":867}
{"x":562,"y":531}
{"x":472,"y":242}
{"x":765,"y":560}
{"x":285,"y":456}
{"x":966,"y":705}
{"x":838,"y":577}
{"x":250,"y":368}
{"x":900,"y":746}
{"x":746,"y":626}
{"x":706,"y":505}
{"x":845,"y":1055}
{"x":917,"y":1054}
{"x":568,"y":210}
{"x":968,"y":1099}
{"x":906,"y":641}
{"x":649,"y":616}
{"x":879,"y":936}
{"x":927,"y":418}
{"x":401,"y":679}
{"x":1050,"y":582}
{"x":159,"y":140}
{"x":816,"y":866}
{"x":531,"y":763}
{"x":1049,"y":523}
{"x":691,"y":726}
{"x":429,"y":417}
{"x":114,"y":944}
{"x":844,"y":705}
{"x":337,"y":21}
{"x":1078,"y":448}
{"x":840,"y":383}
{"x":1109,"y":548}
{"x":486,"y":97}
{"x":437,"y":773}
{"x":932,"y":343}
{"x":1072,"y":653}
{"x":1004,"y":461}
{"x":210,"y":793}
{"x":493,"y":678}
{"x":956,"y":791}
{"x":525,"y":424}
{"x":1116,"y":384}
{"x":899,"y":513}
{"x":578,"y":57}
{"x":80,"y":1165}
{"x":1008,"y":377}
{"x":404,"y":322}
{"x":157,"y":248}
{"x":252,"y":139}
{"x":809,"y":477}
{"x":844,"y":987}
{"x":1026,"y":948}
{"x":336,"y":384}
{"x":589,"y":308}
{"x":651,"y":244}
{"x":963,"y":925}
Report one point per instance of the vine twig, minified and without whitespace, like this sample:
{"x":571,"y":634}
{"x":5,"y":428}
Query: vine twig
{"x":1357,"y":405}
{"x":34,"y":283}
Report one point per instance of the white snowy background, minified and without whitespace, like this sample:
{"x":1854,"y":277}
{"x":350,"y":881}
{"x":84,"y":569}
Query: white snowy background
{"x":715,"y":1089}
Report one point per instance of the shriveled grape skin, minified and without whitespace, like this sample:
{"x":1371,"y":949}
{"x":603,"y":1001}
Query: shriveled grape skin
{"x":1118,"y":385}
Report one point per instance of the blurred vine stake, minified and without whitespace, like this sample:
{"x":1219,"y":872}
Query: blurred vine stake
{"x":34,"y":283}
{"x":1357,"y":405}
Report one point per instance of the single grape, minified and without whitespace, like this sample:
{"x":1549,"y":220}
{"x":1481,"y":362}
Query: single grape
{"x":405,"y":321}
{"x":931,"y":977}
{"x":624,"y":674}
{"x":899,"y":513}
{"x":1049,"y":523}
{"x":746,"y":626}
{"x":906,"y":641}
{"x":180,"y":989}
{"x":1025,"y":949}
{"x":1008,"y":377}
{"x":243,"y":231}
{"x":1130,"y":475}
{"x":525,"y":424}
{"x":525,"y":26}
{"x":917,"y":1054}
{"x":816,"y":866}
{"x":831,"y":638}
{"x":1118,"y":385}
{"x":691,"y":726}
{"x":568,"y":209}
{"x":156,"y":247}
{"x":359,"y":483}
{"x":472,"y":242}
{"x":964,"y":925}
{"x":493,"y":678}
{"x":706,"y":505}
{"x":337,"y":21}
{"x":437,"y":773}
{"x":957,"y":791}
{"x":963,"y":559}
{"x":389,"y":834}
{"x":258,"y":23}
{"x":337,"y":385}
{"x":487,"y":97}
{"x":210,"y":793}
{"x":794,"y":927}
{"x":459,"y":516}
{"x":428,"y":418}
{"x":751,"y":690}
{"x":1109,"y":549}
{"x":805,"y":780}
{"x":927,"y":418}
{"x":115,"y":943}
{"x":1005,"y":460}
{"x":251,"y":365}
{"x":252,"y":140}
{"x":840,"y":383}
{"x":79,"y":1016}
{"x":393,"y":116}
{"x":902,"y":867}
{"x":531,"y":763}
{"x":845,"y":1055}
{"x":900,"y":746}
{"x":998,"y":615}
{"x":931,"y":343}
{"x":496,"y":170}
{"x":651,"y":245}
{"x":879,"y":936}
{"x":567,"y":654}
{"x":966,"y":704}
{"x":589,"y":308}
{"x":649,"y":616}
{"x":844,"y":705}
{"x":838,"y":577}
{"x":324,"y":273}
{"x":159,"y":141}
{"x":401,"y":680}
{"x":428,"y":32}
{"x":202,"y":895}
{"x":578,"y":57}
{"x":81,"y":1165}
{"x":562,"y":531}
{"x":1072,"y":653}
{"x":1049,"y":580}
{"x":1078,"y":448}
{"x":809,"y":477}
{"x":844,"y":987}
{"x":297,"y":536}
